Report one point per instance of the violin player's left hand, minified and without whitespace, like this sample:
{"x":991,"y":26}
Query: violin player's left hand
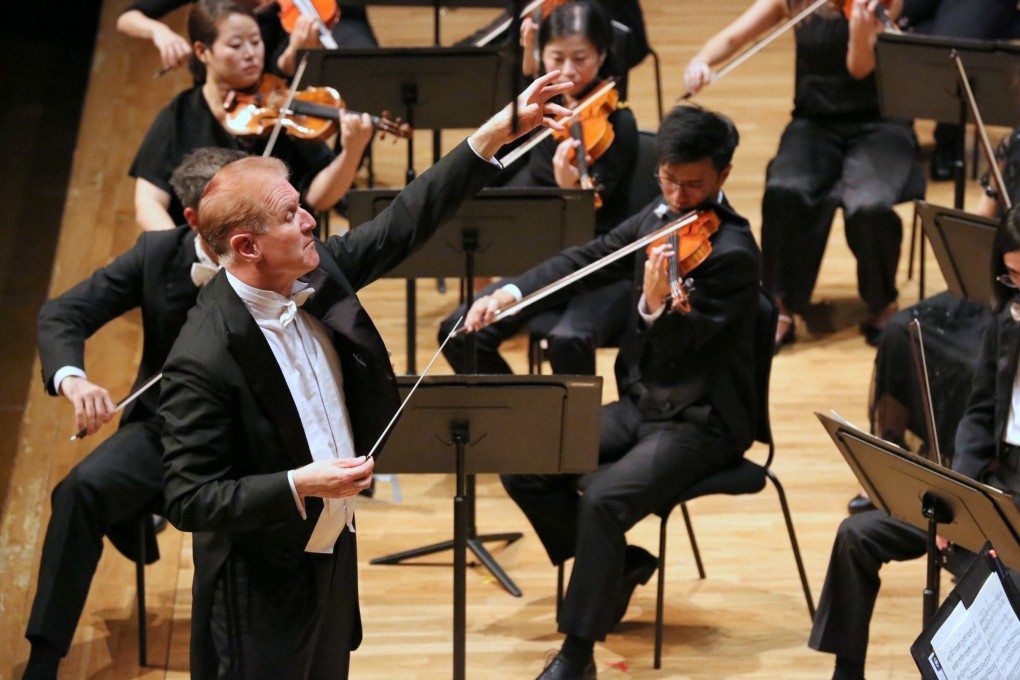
{"x":564,"y":168}
{"x":356,"y":131}
{"x":657,"y":284}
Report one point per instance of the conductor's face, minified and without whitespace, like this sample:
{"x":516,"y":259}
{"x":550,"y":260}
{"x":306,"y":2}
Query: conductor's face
{"x":288,"y":248}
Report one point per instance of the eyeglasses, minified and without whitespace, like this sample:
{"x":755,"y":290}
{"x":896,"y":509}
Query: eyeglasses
{"x":1007,"y":280}
{"x":669,"y":185}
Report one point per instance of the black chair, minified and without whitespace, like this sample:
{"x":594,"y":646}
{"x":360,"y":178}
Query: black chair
{"x":746,"y":477}
{"x":643,"y":189}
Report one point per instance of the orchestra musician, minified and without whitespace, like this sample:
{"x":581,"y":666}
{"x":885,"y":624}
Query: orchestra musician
{"x":350,"y":29}
{"x":269,"y":409}
{"x":121,"y":481}
{"x":686,"y":385}
{"x":837,"y":151}
{"x":576,"y":40}
{"x":228,"y":56}
{"x":987,"y":449}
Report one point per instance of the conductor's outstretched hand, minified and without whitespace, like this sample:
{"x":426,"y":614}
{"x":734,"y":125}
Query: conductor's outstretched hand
{"x":533,"y":109}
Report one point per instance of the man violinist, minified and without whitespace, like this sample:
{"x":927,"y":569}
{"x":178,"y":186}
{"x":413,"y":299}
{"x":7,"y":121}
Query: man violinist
{"x":121,"y":480}
{"x":685,"y":380}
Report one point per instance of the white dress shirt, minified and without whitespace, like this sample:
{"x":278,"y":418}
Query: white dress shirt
{"x":304,"y":351}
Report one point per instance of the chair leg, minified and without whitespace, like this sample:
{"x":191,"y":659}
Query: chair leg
{"x":660,"y":596}
{"x":559,"y":588}
{"x":694,"y":541}
{"x":143,"y":660}
{"x":793,"y":543}
{"x":658,"y":81}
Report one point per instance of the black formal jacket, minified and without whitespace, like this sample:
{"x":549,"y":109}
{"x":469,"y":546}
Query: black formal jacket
{"x":231,"y":430}
{"x":979,"y":438}
{"x":703,"y":357}
{"x":155,"y":275}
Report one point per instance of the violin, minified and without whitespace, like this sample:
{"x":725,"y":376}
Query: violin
{"x":313,"y":113}
{"x":596,"y":132}
{"x":691,"y":246}
{"x":325,"y":13}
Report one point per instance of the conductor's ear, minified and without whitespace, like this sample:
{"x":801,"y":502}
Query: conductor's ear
{"x":245,"y":247}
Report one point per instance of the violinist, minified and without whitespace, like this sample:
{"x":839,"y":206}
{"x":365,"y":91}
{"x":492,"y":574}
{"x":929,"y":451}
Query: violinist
{"x":575,"y":39}
{"x":348,"y":25}
{"x":228,"y":57}
{"x":837,"y":151}
{"x":685,"y":380}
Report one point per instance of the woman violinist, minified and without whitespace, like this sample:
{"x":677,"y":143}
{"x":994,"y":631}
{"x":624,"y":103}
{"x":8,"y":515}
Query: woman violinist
{"x":228,"y":56}
{"x":837,"y":151}
{"x":574,"y":38}
{"x":348,"y":25}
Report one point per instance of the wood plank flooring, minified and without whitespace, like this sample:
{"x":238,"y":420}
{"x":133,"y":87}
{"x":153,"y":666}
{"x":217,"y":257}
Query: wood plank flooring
{"x":747,"y":619}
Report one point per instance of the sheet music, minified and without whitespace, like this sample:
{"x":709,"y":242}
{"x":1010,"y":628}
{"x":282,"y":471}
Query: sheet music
{"x":982,"y":642}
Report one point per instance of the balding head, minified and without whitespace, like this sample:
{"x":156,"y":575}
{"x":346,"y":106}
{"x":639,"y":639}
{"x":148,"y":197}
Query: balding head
{"x":234,"y":201}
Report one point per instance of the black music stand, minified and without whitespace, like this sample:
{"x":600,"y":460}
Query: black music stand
{"x":499,"y":232}
{"x":472,"y":424}
{"x":962,"y":243}
{"x":930,"y":497}
{"x":917,"y":79}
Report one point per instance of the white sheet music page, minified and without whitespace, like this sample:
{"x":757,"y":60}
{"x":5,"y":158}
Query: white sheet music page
{"x":1000,"y":625}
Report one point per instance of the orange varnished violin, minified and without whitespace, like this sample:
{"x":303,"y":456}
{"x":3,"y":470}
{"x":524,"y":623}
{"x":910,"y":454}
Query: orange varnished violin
{"x":313,"y":113}
{"x":691,"y":247}
{"x":325,"y":14}
{"x":591,"y":127}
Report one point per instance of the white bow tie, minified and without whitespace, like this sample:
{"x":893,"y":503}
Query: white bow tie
{"x":202,"y":272}
{"x":290,"y":307}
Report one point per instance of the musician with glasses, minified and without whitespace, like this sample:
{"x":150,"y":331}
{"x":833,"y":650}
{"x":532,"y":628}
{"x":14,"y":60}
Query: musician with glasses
{"x":686,"y":384}
{"x":987,"y":449}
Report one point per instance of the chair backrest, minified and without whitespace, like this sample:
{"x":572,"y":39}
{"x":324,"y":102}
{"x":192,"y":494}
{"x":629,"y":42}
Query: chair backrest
{"x":643,"y":187}
{"x":764,"y":343}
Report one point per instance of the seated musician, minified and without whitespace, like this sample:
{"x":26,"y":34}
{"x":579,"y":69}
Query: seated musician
{"x":987,"y":449}
{"x":575,"y":39}
{"x":228,"y":57}
{"x":350,"y":28}
{"x":685,"y":380}
{"x":121,"y":481}
{"x":837,"y":151}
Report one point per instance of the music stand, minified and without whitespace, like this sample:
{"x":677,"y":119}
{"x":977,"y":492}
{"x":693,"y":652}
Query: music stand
{"x":932,"y":498}
{"x":917,"y":79}
{"x":962,"y":243}
{"x":471,"y":424}
{"x":500,"y":231}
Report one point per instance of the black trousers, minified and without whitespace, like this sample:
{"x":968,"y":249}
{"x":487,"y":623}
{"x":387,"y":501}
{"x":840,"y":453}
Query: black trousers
{"x":864,"y":542}
{"x":353,"y":29}
{"x":298,"y":622}
{"x":863,"y":167}
{"x":587,"y":322}
{"x":106,"y":493}
{"x":643,"y":466}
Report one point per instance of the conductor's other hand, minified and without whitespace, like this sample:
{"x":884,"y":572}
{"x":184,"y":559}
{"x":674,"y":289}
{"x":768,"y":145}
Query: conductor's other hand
{"x":484,"y":310}
{"x":92,"y":404}
{"x":334,"y":478}
{"x":533,"y":109}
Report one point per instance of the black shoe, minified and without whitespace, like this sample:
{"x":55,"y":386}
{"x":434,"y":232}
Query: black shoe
{"x":872,"y":334}
{"x":560,"y":668}
{"x":638,"y":567}
{"x":859,"y":503}
{"x":943,"y":163}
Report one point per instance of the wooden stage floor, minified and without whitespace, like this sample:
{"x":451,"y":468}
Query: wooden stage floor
{"x":747,"y":619}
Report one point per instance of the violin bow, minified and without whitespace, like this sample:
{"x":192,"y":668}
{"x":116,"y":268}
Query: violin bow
{"x":527,"y":146}
{"x":285,"y":109}
{"x":124,"y":402}
{"x":584,"y":271}
{"x":986,"y":145}
{"x":503,"y":25}
{"x":396,"y":415}
{"x":921,"y":364}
